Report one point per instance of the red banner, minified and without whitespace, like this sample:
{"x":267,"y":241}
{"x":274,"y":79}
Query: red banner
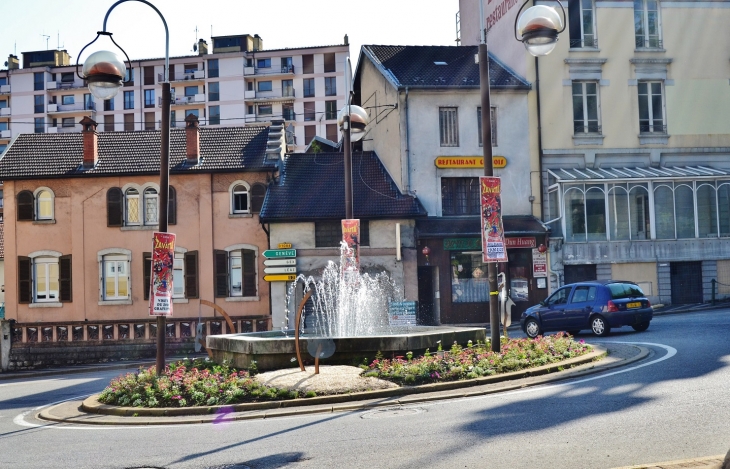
{"x":351,"y":237}
{"x":493,"y":246}
{"x":163,"y":257}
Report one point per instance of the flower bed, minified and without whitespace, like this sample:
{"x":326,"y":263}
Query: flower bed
{"x":201,"y":382}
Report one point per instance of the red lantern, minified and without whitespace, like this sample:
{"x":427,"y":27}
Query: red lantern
{"x":426,"y":250}
{"x":542,"y":248}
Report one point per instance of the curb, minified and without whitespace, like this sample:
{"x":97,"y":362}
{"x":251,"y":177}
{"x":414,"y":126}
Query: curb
{"x":341,"y":402}
{"x":708,"y":462}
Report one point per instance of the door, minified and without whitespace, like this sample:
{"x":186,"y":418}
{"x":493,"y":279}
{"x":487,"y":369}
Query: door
{"x":425,"y":297}
{"x":553,"y":312}
{"x":686,"y":282}
{"x":579,"y":273}
{"x":579,"y":308}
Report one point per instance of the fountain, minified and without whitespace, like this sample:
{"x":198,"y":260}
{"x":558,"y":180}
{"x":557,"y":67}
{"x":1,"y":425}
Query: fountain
{"x":347,"y":308}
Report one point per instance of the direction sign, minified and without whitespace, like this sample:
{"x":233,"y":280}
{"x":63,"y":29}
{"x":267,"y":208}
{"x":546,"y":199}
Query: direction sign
{"x":280,"y":270}
{"x":279,"y":262}
{"x":284,"y":246}
{"x":279,"y":253}
{"x":280,"y":278}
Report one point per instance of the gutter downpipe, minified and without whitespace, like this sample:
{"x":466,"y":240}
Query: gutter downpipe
{"x":408,"y":149}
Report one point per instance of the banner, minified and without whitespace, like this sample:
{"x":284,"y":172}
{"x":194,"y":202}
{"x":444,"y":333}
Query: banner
{"x":493,"y":246}
{"x":163,"y":257}
{"x":351,"y":237}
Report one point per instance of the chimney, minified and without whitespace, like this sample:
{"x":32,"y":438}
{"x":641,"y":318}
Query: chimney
{"x":258,"y":43}
{"x":91,"y":148}
{"x":13,"y":62}
{"x":192,"y":139}
{"x":347,"y":40}
{"x":202,"y":47}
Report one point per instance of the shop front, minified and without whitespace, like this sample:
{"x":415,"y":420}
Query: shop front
{"x":453,"y":284}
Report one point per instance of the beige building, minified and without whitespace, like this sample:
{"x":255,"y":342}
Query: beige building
{"x":631,"y":140}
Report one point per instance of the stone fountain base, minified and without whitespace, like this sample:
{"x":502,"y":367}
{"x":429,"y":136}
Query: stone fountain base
{"x":275,"y":349}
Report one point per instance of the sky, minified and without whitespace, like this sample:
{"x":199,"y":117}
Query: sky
{"x":33,"y":25}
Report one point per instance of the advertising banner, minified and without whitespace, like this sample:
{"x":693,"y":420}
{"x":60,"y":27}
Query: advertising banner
{"x":163,"y":257}
{"x":539,"y":263}
{"x":351,"y":237}
{"x":493,"y":246}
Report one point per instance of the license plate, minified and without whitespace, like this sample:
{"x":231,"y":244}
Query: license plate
{"x":636,"y":304}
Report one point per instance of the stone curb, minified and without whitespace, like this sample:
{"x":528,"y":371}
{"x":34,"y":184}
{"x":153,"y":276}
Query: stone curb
{"x":707,"y":462}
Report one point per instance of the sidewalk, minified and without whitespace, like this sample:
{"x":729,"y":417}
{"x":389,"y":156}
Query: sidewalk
{"x":710,"y":462}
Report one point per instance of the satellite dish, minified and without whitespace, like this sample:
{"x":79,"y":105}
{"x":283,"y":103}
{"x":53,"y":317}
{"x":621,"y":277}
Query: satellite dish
{"x":195,"y":47}
{"x":6,"y":64}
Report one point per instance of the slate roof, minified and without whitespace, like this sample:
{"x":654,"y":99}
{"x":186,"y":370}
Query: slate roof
{"x":312,"y":187}
{"x":222,"y":149}
{"x":415,"y":67}
{"x":441,"y":227}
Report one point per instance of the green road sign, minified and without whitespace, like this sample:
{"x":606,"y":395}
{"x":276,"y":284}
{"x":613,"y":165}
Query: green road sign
{"x":279,"y":253}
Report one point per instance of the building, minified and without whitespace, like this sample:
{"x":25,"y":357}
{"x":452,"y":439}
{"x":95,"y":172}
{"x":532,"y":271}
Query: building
{"x":633,"y":112}
{"x":425,"y":124}
{"x":237,"y":83}
{"x":82,"y":208}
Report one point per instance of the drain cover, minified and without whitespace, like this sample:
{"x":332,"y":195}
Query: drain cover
{"x":392,"y":412}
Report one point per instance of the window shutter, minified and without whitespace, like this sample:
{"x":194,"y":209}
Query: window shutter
{"x":248,"y":258}
{"x":147,"y":264}
{"x":258,"y":192}
{"x":172,"y":207}
{"x":114,"y":207}
{"x":64,"y":279}
{"x":220,"y":261}
{"x":25,"y":206}
{"x":25,"y":280}
{"x":191,"y":274}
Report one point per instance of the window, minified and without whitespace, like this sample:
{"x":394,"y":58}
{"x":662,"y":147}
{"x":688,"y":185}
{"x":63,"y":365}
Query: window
{"x":3,"y":103}
{"x":109,"y":123}
{"x":287,"y":111}
{"x":129,"y":77}
{"x":308,"y":63}
{"x":330,"y":86}
{"x":460,"y":196}
{"x":184,"y":274}
{"x":132,"y":207}
{"x":35,"y":206}
{"x":265,"y":110}
{"x":330,"y":110}
{"x":586,"y":116}
{"x":309,"y":111}
{"x":149,"y":121}
{"x":328,"y":234}
{"x":647,"y":24}
{"x":263,"y":63}
{"x":586,"y":213}
{"x":191,"y":91}
{"x":239,"y":199}
{"x":287,"y":88}
{"x":583,"y":294}
{"x":89,"y":102}
{"x":213,"y":91}
{"x":494,"y":126}
{"x":109,"y":104}
{"x":628,"y":211}
{"x":651,"y":107}
{"x":38,"y":106}
{"x":149,"y":75}
{"x":115,"y":277}
{"x":448,"y":127}
{"x":129,"y":100}
{"x":150,"y":206}
{"x":213,"y":71}
{"x":149,"y":98}
{"x":173,"y":120}
{"x":38,"y":78}
{"x":44,"y":277}
{"x":214,"y":115}
{"x":258,"y":193}
{"x":39,"y":125}
{"x":128,"y":121}
{"x":235,"y":273}
{"x":67,"y":122}
{"x":264,"y":86}
{"x":560,"y":297}
{"x":3,"y":81}
{"x":67,"y":99}
{"x":178,"y":276}
{"x":67,"y":77}
{"x":469,"y":278}
{"x":329,"y":62}
{"x":195,"y":112}
{"x":190,"y":68}
{"x":310,"y":131}
{"x":332,"y":133}
{"x":3,"y":125}
{"x":287,"y":65}
{"x":309,"y":87}
{"x":138,"y":206}
{"x":581,"y":19}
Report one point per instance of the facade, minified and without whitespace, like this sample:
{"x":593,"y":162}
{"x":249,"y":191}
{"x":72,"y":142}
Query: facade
{"x":635,"y":143}
{"x":425,"y":124}
{"x":82,"y":209}
{"x":237,"y":83}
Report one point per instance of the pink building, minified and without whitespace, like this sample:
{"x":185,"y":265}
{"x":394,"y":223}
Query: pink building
{"x":82,"y":208}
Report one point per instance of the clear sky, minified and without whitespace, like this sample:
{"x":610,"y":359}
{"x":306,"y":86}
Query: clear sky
{"x":280,"y":23}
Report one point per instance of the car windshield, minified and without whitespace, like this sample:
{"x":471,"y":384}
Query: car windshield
{"x":624,"y":290}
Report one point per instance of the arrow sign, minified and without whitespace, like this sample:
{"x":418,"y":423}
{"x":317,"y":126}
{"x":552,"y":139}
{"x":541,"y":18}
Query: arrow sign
{"x":280,"y":270}
{"x":278,"y":262}
{"x":279,"y":253}
{"x":280,"y":278}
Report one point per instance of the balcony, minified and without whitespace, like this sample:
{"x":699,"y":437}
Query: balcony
{"x":185,"y":100}
{"x":271,"y":96}
{"x":4,"y":112}
{"x":64,"y":129}
{"x":5,"y":133}
{"x":69,"y":108}
{"x":64,"y":85}
{"x":268,"y":71}
{"x":195,"y":75}
{"x":253,"y":118}
{"x":4,"y":89}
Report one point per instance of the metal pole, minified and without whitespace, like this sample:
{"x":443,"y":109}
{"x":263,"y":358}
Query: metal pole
{"x":348,"y":168}
{"x":163,"y":205}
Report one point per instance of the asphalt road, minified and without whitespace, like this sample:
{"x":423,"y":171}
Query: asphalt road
{"x":676,"y":406}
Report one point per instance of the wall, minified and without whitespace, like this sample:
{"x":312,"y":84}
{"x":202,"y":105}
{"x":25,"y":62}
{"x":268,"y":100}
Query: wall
{"x":643,"y":273}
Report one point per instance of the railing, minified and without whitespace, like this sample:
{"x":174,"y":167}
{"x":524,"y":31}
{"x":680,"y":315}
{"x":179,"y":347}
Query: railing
{"x":63,"y":85}
{"x":187,"y":76}
{"x":185,"y":100}
{"x":4,"y":111}
{"x":61,"y":129}
{"x":4,"y":89}
{"x":285,"y":69}
{"x":653,"y":129}
{"x":71,"y":107}
{"x":580,"y":128}
{"x":5,"y":133}
{"x":651,"y":42}
{"x":285,"y":94}
{"x":584,"y":43}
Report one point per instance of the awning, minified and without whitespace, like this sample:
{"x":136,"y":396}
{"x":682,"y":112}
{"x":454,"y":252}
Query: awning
{"x":449,"y":227}
{"x":580,"y":175}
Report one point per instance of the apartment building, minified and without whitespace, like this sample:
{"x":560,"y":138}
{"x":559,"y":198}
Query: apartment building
{"x":628,"y":129}
{"x":237,"y":83}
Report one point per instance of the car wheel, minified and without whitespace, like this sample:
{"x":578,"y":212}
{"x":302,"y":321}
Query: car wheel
{"x":599,"y":326}
{"x":573,"y":332}
{"x":532,"y":328}
{"x":641,"y":327}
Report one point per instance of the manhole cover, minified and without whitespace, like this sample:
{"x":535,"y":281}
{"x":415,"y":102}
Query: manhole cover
{"x":392,"y":412}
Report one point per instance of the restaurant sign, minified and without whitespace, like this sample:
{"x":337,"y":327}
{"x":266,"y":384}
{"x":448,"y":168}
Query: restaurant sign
{"x":521,"y":242}
{"x":465,"y":162}
{"x":475,"y":244}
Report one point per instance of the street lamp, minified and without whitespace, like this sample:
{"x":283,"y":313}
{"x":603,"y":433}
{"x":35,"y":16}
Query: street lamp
{"x":352,"y":121}
{"x":539,"y":27}
{"x":104,"y":71}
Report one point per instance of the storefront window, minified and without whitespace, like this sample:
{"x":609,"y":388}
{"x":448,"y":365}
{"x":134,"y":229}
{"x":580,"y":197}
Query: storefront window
{"x":469,"y":282}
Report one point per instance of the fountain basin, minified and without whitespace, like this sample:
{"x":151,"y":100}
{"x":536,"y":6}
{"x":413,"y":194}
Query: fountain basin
{"x":276,"y":349}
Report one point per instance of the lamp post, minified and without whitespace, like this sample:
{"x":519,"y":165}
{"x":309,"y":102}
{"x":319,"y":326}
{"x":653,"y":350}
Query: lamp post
{"x":105,"y":71}
{"x":539,"y":26}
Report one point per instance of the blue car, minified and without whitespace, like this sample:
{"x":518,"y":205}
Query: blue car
{"x":598,"y":306}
